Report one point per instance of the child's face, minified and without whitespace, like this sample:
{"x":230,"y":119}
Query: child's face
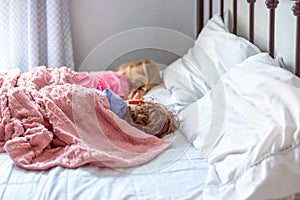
{"x":138,"y":94}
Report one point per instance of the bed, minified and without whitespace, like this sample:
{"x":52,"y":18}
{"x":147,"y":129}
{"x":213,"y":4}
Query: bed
{"x":238,"y":137}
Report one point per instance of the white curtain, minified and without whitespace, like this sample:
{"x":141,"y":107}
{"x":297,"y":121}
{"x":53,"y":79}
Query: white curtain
{"x":35,"y":33}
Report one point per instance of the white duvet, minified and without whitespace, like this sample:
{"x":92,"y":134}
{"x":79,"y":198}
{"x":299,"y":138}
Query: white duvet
{"x":248,"y":128}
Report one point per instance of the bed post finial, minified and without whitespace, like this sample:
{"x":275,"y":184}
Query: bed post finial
{"x":296,"y":11}
{"x":251,"y":19}
{"x":272,"y":5}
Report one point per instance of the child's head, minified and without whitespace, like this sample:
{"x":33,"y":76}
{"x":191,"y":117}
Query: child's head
{"x":153,"y":118}
{"x":141,"y":75}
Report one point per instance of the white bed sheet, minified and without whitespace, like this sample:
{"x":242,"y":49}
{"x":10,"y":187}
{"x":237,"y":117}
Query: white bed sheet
{"x":178,"y":173}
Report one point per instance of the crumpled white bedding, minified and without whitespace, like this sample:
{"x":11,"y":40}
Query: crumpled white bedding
{"x":252,"y":136}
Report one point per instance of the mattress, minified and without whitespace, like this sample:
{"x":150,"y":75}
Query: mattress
{"x":178,"y":173}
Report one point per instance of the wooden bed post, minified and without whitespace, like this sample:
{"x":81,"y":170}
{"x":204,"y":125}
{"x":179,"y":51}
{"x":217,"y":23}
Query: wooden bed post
{"x":296,"y":11}
{"x":272,"y":5}
{"x":200,"y":16}
{"x":251,"y":20}
{"x":234,"y":31}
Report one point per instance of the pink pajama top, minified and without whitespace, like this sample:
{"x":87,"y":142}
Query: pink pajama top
{"x":104,"y":80}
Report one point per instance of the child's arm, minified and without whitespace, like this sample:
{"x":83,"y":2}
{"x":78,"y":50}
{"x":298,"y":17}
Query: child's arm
{"x":117,"y":104}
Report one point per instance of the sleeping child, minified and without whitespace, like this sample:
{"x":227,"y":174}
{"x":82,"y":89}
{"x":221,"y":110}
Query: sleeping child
{"x":131,"y":81}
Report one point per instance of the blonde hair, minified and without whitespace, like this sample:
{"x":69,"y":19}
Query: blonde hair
{"x":152,"y":118}
{"x":140,"y":74}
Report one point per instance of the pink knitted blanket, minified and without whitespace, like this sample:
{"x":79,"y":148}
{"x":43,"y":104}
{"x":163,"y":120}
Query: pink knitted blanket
{"x":47,"y":121}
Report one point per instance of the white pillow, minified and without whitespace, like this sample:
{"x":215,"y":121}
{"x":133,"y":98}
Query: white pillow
{"x":184,"y":82}
{"x":196,"y":119}
{"x":219,"y":47}
{"x":204,"y":115}
{"x":215,"y":51}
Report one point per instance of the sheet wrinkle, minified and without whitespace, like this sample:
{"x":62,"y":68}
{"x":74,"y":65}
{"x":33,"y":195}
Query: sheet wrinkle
{"x":6,"y":183}
{"x":254,"y":165}
{"x":247,"y":99}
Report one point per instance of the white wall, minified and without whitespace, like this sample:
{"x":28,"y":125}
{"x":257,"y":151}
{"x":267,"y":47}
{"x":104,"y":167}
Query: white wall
{"x":285,"y":28}
{"x":98,"y":30}
{"x":95,"y":22}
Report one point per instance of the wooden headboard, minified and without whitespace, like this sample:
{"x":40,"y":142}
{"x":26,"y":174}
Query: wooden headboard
{"x":271,"y":5}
